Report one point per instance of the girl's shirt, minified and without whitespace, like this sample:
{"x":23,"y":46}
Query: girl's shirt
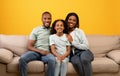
{"x":79,"y":39}
{"x":60,"y":42}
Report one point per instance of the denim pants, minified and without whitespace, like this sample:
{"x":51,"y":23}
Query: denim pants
{"x":61,"y":68}
{"x":30,"y":56}
{"x":82,"y":62}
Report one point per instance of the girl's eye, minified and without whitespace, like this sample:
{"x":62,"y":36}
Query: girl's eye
{"x":57,"y":25}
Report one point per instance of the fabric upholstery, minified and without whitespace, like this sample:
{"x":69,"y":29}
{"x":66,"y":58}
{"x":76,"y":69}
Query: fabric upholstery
{"x":101,"y":65}
{"x":100,"y":44}
{"x":16,"y":44}
{"x":70,"y":69}
{"x":6,"y":56}
{"x":106,"y":50}
{"x":115,"y":55}
{"x":33,"y":66}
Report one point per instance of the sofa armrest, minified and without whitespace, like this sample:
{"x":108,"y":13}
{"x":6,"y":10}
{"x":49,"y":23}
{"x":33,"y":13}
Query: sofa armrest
{"x":6,"y":56}
{"x":114,"y":55}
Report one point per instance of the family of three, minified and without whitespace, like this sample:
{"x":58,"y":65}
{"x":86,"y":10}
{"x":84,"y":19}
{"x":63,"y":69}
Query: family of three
{"x":56,"y":46}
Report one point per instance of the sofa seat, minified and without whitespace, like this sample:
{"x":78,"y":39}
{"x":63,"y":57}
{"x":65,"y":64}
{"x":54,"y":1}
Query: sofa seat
{"x":33,"y":66}
{"x":104,"y":65}
{"x":99,"y":65}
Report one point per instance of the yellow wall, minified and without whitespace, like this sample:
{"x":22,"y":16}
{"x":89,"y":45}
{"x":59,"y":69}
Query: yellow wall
{"x":96,"y":16}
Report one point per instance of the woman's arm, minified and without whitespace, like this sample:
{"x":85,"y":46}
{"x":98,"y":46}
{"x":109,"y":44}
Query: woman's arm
{"x":81,"y":42}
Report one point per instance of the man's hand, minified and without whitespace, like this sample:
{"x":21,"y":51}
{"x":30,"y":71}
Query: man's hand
{"x":31,"y":47}
{"x":44,"y":52}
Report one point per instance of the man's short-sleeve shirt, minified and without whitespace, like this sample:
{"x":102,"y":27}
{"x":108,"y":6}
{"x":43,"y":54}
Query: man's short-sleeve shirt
{"x":41,"y":36}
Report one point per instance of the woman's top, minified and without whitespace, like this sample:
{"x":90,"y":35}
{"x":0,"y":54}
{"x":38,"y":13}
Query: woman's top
{"x":79,"y":39}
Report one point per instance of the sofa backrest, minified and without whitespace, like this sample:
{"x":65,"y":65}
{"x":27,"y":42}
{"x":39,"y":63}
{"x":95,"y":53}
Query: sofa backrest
{"x":101,"y":44}
{"x":16,"y":43}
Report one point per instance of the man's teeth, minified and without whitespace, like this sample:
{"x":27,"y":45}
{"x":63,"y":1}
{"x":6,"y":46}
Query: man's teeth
{"x":46,"y":23}
{"x":71,"y":24}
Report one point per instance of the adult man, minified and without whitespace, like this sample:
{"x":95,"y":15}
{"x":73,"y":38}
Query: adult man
{"x":38,"y":45}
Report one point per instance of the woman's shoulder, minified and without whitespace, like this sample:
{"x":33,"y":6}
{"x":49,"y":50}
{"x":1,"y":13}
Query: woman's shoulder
{"x":78,"y":30}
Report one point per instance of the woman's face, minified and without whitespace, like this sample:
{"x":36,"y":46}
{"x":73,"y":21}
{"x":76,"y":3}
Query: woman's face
{"x":59,"y":27}
{"x":72,"y":21}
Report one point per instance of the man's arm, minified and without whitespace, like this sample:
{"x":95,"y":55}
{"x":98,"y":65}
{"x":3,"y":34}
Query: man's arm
{"x":32,"y":48}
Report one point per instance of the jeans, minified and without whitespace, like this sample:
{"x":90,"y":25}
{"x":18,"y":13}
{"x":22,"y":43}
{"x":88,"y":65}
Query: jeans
{"x":61,"y":68}
{"x":30,"y":56}
{"x":82,"y":62}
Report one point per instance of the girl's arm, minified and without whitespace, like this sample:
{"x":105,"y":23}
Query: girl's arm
{"x":68,"y":49}
{"x":55,"y":53}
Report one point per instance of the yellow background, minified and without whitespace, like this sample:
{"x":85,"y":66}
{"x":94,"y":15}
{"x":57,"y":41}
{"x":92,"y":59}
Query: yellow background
{"x":96,"y":16}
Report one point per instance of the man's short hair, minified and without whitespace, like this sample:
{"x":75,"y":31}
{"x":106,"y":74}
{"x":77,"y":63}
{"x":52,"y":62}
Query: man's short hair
{"x":46,"y":12}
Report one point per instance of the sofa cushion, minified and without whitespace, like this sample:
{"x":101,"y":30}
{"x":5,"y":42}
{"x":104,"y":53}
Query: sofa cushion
{"x":6,"y":56}
{"x":15,"y":43}
{"x":70,"y":69}
{"x":100,"y":44}
{"x":33,"y":66}
{"x":104,"y":65}
{"x":99,"y":65}
{"x":115,"y":55}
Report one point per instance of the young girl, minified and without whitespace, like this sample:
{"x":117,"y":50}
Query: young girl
{"x":60,"y":46}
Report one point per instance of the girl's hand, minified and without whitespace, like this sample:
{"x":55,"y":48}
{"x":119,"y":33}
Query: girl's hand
{"x":59,"y":58}
{"x":63,"y":57}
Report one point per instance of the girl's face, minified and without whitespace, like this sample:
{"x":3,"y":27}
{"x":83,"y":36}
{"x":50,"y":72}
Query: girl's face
{"x":72,"y":21}
{"x":59,"y":27}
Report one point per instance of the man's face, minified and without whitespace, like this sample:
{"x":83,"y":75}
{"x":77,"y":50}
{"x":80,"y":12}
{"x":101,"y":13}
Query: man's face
{"x":46,"y":19}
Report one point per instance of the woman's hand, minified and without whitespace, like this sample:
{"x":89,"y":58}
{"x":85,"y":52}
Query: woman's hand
{"x":70,"y":38}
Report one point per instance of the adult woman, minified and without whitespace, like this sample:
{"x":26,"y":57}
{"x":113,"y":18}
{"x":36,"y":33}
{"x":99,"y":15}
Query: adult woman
{"x":82,"y":57}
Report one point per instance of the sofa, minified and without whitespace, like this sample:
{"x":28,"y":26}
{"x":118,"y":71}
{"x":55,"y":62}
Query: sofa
{"x":106,"y":50}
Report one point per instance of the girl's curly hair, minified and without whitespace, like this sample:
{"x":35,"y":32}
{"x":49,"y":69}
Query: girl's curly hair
{"x":53,"y":31}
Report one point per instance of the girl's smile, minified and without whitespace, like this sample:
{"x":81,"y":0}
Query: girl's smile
{"x":59,"y":27}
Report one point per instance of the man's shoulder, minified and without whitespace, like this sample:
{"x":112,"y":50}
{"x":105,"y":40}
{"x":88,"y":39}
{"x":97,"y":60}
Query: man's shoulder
{"x":37,"y":28}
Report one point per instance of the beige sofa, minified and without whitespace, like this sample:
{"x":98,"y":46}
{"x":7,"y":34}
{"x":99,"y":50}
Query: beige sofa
{"x":106,"y":50}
